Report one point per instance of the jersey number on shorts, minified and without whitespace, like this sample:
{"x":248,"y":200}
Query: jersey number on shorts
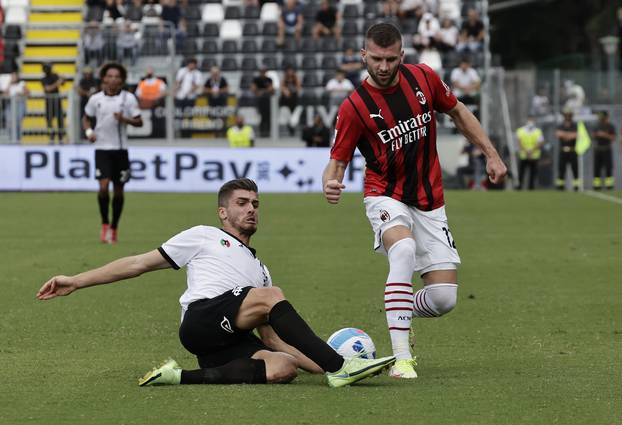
{"x":450,"y":240}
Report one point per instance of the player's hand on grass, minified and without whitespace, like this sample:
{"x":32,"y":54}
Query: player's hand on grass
{"x":496,"y":170}
{"x":332,"y":191}
{"x":56,"y":287}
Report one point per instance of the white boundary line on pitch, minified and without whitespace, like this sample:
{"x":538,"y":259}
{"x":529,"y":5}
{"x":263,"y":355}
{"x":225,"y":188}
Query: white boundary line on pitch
{"x":602,"y":196}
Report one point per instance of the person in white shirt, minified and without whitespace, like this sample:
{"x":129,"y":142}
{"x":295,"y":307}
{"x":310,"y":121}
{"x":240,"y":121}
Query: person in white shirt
{"x":188,"y":85}
{"x":17,"y":91}
{"x":112,"y":109}
{"x":339,"y":88}
{"x":229,"y":294}
{"x":465,"y":82}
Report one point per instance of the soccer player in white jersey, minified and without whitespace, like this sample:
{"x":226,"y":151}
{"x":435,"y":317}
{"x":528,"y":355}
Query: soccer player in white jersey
{"x":112,"y":109}
{"x":229,"y":294}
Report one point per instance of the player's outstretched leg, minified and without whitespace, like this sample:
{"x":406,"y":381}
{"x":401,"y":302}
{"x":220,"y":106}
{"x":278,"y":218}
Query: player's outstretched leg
{"x":356,"y":369}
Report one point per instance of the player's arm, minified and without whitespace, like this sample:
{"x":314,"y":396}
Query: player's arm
{"x":123,"y":268}
{"x":272,"y":340}
{"x":470,"y":128}
{"x":87,"y":125}
{"x":332,"y":180}
{"x":136,"y":121}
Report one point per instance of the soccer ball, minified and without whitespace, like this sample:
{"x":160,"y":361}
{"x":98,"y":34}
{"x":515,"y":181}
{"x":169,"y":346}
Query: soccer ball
{"x":352,"y":342}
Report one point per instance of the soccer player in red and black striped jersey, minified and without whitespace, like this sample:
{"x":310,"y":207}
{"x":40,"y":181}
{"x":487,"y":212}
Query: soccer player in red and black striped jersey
{"x":391,"y":119}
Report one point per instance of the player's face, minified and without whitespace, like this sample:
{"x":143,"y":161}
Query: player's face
{"x":382,"y":63}
{"x":112,"y":80}
{"x":241,"y":213}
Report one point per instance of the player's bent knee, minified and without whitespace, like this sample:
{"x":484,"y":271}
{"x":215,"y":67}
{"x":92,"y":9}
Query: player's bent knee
{"x":442,"y":297}
{"x":403,"y":251}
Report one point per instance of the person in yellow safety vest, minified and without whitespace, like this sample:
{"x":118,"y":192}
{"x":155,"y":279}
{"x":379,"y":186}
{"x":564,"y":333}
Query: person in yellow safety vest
{"x":605,"y":136}
{"x":530,"y":141}
{"x":567,"y":135}
{"x":241,"y":135}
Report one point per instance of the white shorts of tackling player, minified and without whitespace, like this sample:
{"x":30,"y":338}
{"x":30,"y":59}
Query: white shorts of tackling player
{"x":435,"y":246}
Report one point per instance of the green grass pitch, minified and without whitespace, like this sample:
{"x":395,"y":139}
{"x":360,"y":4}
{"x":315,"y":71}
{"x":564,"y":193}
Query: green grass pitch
{"x":536,"y":337}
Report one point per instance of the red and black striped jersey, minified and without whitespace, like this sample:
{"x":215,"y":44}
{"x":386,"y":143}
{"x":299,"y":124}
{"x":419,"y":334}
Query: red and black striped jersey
{"x":395,"y":130}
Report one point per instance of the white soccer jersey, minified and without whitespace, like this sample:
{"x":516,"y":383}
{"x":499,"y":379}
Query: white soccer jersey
{"x":215,"y":262}
{"x":110,"y":133}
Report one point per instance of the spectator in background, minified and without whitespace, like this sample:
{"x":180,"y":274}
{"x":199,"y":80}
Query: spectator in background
{"x":134,"y":11}
{"x":472,"y":175}
{"x":540,"y":103}
{"x":87,"y":86}
{"x":93,"y":42}
{"x":188,"y":85}
{"x":447,"y":36}
{"x":263,"y":90}
{"x":151,"y":90}
{"x":181,"y":34}
{"x":351,"y":65}
{"x":51,"y":83}
{"x":17,"y":91}
{"x":127,"y":44}
{"x":290,"y":92}
{"x":465,"y":82}
{"x":316,"y":135}
{"x":427,"y":32}
{"x":605,"y":135}
{"x":567,"y":135}
{"x":530,"y":142}
{"x":216,"y":88}
{"x":574,"y":95}
{"x":290,"y":22}
{"x":471,"y":33}
{"x":113,"y":10}
{"x":327,"y":21}
{"x":152,"y":9}
{"x":170,"y":12}
{"x":338,"y":88}
{"x":240,"y":135}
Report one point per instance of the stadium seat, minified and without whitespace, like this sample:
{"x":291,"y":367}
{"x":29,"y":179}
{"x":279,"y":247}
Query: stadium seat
{"x":352,"y":43}
{"x":228,"y":3}
{"x":270,"y":12}
{"x":229,"y":64}
{"x":327,"y":76}
{"x":251,"y":13}
{"x":329,"y":45}
{"x":16,"y":15}
{"x":18,"y":3}
{"x":309,"y":62}
{"x":249,"y":46}
{"x":8,"y":65}
{"x":350,"y":11}
{"x":309,"y":98}
{"x":411,"y":58}
{"x":231,"y":29}
{"x":229,"y":47}
{"x":213,"y":13}
{"x":13,"y":32}
{"x":94,"y":13}
{"x":289,"y":61}
{"x":210,"y":47}
{"x":249,"y":64}
{"x":309,"y":11}
{"x":329,"y":62}
{"x":207,"y":63}
{"x":246,"y":80}
{"x":408,"y":26}
{"x":250,"y":29}
{"x":347,"y":2}
{"x":189,"y":48}
{"x":370,"y":11}
{"x":290,"y":46}
{"x":233,"y":12}
{"x":269,"y":62}
{"x":310,"y":80}
{"x":350,"y":28}
{"x":193,"y":29}
{"x":270,"y":29}
{"x":268,"y":45}
{"x":211,"y":30}
{"x":192,"y":13}
{"x":309,"y":45}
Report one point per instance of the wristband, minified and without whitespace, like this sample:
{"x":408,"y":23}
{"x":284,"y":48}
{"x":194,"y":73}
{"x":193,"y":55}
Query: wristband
{"x":89,"y":132}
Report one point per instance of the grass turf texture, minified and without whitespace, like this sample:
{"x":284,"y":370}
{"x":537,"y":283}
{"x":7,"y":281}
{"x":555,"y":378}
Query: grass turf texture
{"x":535,"y":338}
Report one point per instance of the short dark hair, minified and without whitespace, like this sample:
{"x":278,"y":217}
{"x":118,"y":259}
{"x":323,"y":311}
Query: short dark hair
{"x":384,"y":34}
{"x":227,"y":189}
{"x":113,"y":65}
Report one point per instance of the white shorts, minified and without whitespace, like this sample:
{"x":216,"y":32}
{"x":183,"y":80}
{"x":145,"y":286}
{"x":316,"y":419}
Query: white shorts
{"x":435,"y":247}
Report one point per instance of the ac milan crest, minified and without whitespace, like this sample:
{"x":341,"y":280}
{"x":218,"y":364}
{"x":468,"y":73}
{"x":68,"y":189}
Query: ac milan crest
{"x":225,"y":243}
{"x":421,"y":97}
{"x":384,"y":216}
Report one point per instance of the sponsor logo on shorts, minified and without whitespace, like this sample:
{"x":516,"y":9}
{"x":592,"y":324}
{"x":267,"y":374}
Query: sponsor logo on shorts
{"x":236,"y":291}
{"x":225,"y":243}
{"x":226,"y":325}
{"x":385,"y":216}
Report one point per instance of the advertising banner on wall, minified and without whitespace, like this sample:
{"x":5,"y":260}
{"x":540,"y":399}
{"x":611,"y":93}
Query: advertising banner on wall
{"x":172,"y":169}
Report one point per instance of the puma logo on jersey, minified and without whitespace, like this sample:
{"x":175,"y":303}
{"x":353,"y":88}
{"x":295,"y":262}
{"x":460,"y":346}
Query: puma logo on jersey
{"x":226,"y":325}
{"x":378,"y":115}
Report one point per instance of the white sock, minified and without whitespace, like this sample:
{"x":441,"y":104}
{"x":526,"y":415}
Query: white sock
{"x":398,"y":295}
{"x":435,"y":300}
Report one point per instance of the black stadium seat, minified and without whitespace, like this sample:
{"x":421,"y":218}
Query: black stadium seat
{"x":229,"y":47}
{"x":350,"y":28}
{"x":309,"y":45}
{"x":189,"y":48}
{"x":269,"y":62}
{"x":250,"y":29}
{"x":289,"y":61}
{"x":207,"y":63}
{"x":350,"y":11}
{"x":192,"y":13}
{"x":193,"y":29}
{"x":210,"y":47}
{"x":251,"y":12}
{"x":309,"y":62}
{"x":309,"y":98}
{"x":13,"y":32}
{"x":249,"y":46}
{"x":249,"y":64}
{"x":329,"y":62}
{"x":233,"y":12}
{"x":310,"y":80}
{"x":270,"y":29}
{"x":211,"y":30}
{"x":229,"y":64}
{"x":329,"y":45}
{"x":246,"y":80}
{"x":268,"y":45}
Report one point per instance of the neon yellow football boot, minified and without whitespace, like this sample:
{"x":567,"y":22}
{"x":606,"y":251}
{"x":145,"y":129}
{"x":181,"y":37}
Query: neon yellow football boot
{"x":354,"y":369}
{"x":404,"y":369}
{"x":169,"y":373}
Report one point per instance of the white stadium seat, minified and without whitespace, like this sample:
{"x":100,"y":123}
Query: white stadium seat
{"x":5,"y":82}
{"x":21,"y":3}
{"x":231,"y":29}
{"x":226,"y":3}
{"x":355,"y":2}
{"x":16,"y":15}
{"x":213,"y":12}
{"x":270,"y":12}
